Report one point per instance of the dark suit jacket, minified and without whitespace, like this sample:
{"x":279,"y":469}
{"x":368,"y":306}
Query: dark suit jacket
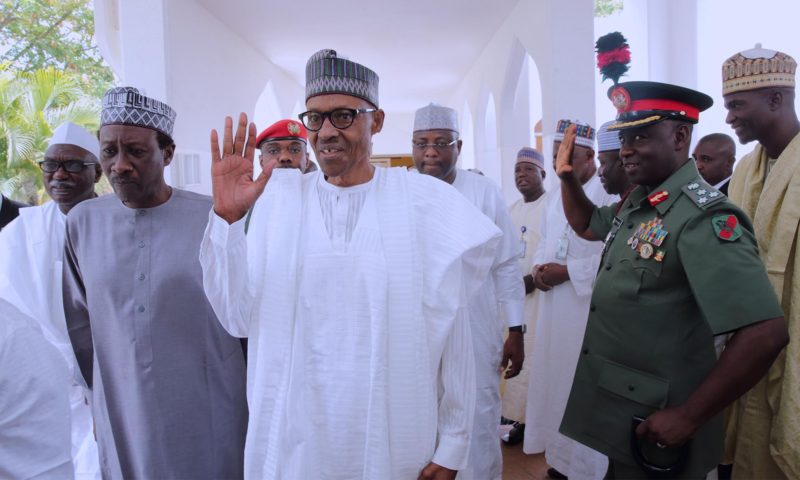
{"x":9,"y":211}
{"x":724,"y":187}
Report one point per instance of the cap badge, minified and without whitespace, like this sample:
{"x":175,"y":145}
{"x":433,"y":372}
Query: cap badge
{"x":293,"y":128}
{"x":621,"y":99}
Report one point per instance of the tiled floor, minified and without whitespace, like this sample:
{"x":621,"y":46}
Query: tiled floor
{"x":518,"y":466}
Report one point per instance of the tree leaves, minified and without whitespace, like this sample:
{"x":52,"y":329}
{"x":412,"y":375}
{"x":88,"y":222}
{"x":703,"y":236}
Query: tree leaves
{"x":36,"y":34}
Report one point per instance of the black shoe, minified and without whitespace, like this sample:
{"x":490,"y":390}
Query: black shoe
{"x":515,"y":435}
{"x":553,"y":473}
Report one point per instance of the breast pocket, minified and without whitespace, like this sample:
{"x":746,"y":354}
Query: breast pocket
{"x":641,"y":276}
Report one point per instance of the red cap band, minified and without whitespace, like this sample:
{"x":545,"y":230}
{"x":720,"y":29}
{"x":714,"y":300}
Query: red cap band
{"x":667,"y":105}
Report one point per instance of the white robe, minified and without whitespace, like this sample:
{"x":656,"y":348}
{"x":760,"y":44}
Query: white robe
{"x":527,"y":216}
{"x":360,"y":358}
{"x":31,"y":252}
{"x":561,"y":324}
{"x":497,"y":305}
{"x":34,"y":405}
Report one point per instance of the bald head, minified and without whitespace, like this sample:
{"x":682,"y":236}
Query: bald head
{"x":715,"y":155}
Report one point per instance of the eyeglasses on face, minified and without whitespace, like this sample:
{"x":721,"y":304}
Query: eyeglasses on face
{"x":71,"y":166}
{"x":438,"y":146}
{"x":340,"y":118}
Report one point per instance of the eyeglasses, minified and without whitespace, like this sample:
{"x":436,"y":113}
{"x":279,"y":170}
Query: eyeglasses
{"x":71,"y":166}
{"x":438,"y":146}
{"x":340,"y":118}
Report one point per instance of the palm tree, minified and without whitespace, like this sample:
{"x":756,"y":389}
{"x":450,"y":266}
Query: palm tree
{"x":32,"y":105}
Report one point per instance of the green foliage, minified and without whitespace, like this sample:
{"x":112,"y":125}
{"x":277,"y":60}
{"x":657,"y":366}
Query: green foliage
{"x":604,"y":8}
{"x":36,"y":34}
{"x":50,"y":72}
{"x":32,"y":105}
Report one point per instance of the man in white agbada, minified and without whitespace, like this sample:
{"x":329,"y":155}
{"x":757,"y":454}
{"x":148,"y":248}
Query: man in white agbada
{"x":499,"y":301}
{"x":34,"y":405}
{"x":526,"y":213}
{"x":351,"y":286}
{"x":31,"y":252}
{"x":564,"y":270}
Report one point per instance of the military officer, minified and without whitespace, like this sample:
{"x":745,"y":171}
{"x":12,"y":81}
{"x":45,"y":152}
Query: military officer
{"x":680,"y":264}
{"x":286,"y":142}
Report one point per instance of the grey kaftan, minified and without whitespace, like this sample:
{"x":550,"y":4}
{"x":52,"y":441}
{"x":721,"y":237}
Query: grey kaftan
{"x":168,"y":383}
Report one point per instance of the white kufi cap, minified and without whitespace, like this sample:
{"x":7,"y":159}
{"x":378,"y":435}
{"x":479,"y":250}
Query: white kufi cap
{"x":71,"y":134}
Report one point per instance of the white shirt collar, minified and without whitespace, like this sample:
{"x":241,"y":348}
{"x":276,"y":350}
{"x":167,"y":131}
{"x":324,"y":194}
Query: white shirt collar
{"x":722,"y":183}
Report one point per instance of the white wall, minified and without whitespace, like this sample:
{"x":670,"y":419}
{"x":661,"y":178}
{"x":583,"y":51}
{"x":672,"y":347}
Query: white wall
{"x":555,"y":34}
{"x":729,"y":26}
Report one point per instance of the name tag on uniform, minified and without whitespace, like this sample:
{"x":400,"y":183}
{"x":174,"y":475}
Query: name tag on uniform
{"x":562,"y":248}
{"x":523,"y":246}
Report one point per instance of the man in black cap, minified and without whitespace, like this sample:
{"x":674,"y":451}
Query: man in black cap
{"x":648,"y":389}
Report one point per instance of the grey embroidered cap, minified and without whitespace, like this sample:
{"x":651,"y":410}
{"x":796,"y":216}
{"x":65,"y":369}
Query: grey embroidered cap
{"x":435,"y":117}
{"x":327,"y":73}
{"x":126,"y":106}
{"x":530,"y":155}
{"x":607,"y":140}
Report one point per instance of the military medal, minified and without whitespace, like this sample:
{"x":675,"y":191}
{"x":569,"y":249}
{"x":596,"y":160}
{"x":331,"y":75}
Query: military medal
{"x":647,"y":237}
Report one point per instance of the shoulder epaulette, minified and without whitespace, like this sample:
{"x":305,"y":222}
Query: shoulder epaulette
{"x":702,"y":194}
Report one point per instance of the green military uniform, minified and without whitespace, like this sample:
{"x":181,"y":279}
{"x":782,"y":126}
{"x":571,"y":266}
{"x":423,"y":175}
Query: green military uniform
{"x":681,"y":264}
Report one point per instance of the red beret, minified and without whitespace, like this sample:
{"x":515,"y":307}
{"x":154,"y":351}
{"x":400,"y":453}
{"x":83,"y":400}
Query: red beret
{"x":283,"y":130}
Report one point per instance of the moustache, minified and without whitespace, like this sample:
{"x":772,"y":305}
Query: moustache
{"x":61,"y":184}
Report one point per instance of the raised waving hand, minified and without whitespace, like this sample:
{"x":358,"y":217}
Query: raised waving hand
{"x":232,"y":184}
{"x":564,"y":156}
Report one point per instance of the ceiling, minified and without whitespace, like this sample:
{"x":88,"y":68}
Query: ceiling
{"x":421,"y":49}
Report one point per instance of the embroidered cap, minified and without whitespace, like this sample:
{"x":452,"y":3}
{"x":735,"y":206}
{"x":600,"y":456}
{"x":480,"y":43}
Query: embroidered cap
{"x":126,"y":106}
{"x":327,"y":73}
{"x":71,"y":134}
{"x":644,"y":103}
{"x":283,"y":130}
{"x":584,"y":135}
{"x":530,"y":155}
{"x":435,"y":117}
{"x":607,"y":140}
{"x":757,"y":68}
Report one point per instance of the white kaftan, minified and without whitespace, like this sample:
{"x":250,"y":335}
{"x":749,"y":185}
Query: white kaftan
{"x":31,"y":253}
{"x":360,"y":361}
{"x":34,"y":405}
{"x":497,"y":304}
{"x":527,"y":218}
{"x":560,"y":327}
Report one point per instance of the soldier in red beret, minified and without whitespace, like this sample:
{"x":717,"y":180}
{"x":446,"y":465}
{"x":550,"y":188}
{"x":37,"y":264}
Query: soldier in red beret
{"x":286,"y":141}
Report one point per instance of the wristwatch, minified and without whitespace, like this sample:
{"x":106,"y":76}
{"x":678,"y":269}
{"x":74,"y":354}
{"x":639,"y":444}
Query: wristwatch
{"x":519,"y":328}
